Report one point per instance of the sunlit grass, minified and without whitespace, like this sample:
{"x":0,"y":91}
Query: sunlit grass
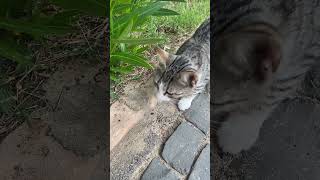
{"x":191,"y":16}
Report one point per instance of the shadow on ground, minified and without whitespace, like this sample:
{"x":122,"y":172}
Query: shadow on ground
{"x":68,"y":139}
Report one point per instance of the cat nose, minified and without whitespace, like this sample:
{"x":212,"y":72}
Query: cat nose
{"x":264,"y":70}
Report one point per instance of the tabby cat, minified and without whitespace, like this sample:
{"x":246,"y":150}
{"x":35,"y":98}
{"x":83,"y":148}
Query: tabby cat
{"x":180,"y":77}
{"x":262,"y":51}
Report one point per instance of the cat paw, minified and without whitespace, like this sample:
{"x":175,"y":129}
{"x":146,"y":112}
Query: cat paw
{"x":184,"y":104}
{"x":233,"y":137}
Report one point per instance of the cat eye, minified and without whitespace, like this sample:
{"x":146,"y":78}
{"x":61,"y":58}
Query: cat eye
{"x":174,"y":94}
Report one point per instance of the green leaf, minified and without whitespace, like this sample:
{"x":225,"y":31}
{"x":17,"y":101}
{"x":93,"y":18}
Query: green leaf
{"x":122,"y":47}
{"x":122,"y":32}
{"x":139,"y":41}
{"x":149,"y":9}
{"x":90,"y":7}
{"x":138,"y":50}
{"x":11,"y":50}
{"x":138,"y":15}
{"x":131,"y":59}
{"x":121,"y":7}
{"x":125,"y":32}
{"x":123,"y":1}
{"x":119,"y":23}
{"x":165,"y":12}
{"x":173,"y":0}
{"x":140,"y":21}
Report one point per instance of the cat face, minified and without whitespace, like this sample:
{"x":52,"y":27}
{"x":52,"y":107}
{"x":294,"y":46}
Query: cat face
{"x":174,"y":78}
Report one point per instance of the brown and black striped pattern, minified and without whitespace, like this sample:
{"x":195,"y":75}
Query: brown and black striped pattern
{"x":194,"y":57}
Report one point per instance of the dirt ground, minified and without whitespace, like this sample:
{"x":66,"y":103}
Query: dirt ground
{"x":67,"y":139}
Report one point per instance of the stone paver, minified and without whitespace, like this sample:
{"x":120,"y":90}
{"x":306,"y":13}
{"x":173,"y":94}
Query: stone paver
{"x":143,"y":142}
{"x":181,"y":148}
{"x":199,"y":112}
{"x":158,"y":171}
{"x":288,"y":146}
{"x":201,"y":170}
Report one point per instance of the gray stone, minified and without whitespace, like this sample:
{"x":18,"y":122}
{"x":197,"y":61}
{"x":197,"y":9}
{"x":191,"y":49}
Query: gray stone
{"x":125,"y":159}
{"x":201,"y":169}
{"x":199,"y":112}
{"x":181,"y":148}
{"x":288,"y":146}
{"x":143,"y":141}
{"x":159,"y":171}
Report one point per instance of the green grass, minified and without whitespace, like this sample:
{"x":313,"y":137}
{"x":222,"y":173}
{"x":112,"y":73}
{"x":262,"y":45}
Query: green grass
{"x":170,"y":28}
{"x":191,"y":16}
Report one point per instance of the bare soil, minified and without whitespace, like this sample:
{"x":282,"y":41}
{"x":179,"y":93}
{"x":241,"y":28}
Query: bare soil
{"x":67,"y":138}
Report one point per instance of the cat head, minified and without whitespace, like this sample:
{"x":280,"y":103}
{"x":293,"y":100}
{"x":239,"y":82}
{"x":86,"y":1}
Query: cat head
{"x":174,"y":77}
{"x":246,"y":63}
{"x":252,"y":51}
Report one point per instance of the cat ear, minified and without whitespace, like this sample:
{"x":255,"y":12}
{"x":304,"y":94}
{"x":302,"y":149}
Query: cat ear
{"x":189,"y":78}
{"x":164,"y":56}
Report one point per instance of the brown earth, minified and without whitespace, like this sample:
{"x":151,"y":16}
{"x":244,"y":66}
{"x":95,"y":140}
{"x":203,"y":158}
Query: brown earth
{"x":67,"y":140}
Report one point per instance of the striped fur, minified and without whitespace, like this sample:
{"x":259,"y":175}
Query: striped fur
{"x":246,"y":101}
{"x":191,"y":63}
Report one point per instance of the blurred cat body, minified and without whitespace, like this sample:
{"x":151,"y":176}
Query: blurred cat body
{"x":259,"y":60}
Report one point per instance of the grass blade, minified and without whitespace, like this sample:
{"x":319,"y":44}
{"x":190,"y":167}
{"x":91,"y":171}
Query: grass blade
{"x":165,"y":12}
